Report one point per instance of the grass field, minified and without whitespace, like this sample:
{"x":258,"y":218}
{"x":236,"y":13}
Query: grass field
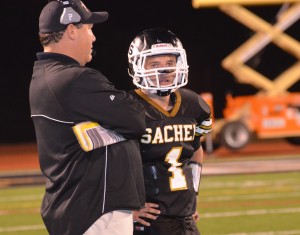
{"x":254,"y":204}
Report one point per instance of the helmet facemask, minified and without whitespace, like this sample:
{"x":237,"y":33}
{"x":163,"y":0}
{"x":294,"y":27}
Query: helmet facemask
{"x":153,"y":79}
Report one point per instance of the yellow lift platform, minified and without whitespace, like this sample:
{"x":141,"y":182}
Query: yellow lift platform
{"x":273,"y":112}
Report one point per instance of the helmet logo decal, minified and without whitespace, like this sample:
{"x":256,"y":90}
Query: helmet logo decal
{"x":161,"y":45}
{"x":112,"y":97}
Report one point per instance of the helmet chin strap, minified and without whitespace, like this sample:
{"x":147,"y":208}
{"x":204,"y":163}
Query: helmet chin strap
{"x":160,"y":92}
{"x":163,"y":92}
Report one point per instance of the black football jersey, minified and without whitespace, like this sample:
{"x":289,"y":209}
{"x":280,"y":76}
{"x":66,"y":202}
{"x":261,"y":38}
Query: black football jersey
{"x":171,"y":139}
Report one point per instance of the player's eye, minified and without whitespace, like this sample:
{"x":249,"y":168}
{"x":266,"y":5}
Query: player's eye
{"x":171,"y":64}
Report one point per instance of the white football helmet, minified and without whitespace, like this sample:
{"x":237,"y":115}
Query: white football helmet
{"x":155,"y":42}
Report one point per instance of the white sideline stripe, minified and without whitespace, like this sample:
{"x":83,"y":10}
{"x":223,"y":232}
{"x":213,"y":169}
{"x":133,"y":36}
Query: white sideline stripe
{"x":289,"y":232}
{"x":250,"y":212}
{"x":21,"y":228}
{"x":250,"y":184}
{"x":255,"y":196}
{"x":21,"y":198}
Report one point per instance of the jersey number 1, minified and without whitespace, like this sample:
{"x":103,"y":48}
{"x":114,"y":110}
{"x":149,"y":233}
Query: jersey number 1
{"x":177,"y":180}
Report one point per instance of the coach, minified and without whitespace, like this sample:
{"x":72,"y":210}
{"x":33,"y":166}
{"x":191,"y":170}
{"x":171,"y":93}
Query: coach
{"x":88,"y":191}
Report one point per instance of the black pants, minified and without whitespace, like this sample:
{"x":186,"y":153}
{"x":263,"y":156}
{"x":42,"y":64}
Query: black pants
{"x":165,"y":225}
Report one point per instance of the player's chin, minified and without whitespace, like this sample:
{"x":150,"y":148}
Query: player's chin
{"x":166,"y":82}
{"x":166,"y":86}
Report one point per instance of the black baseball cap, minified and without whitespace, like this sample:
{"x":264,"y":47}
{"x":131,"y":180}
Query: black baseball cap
{"x":57,"y":14}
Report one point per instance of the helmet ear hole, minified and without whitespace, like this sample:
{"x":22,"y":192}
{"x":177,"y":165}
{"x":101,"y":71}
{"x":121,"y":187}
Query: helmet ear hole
{"x":157,"y":42}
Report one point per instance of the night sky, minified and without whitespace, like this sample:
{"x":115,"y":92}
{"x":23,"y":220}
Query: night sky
{"x":207,"y":34}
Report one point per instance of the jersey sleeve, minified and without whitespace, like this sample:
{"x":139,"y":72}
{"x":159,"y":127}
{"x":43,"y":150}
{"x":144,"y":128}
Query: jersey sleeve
{"x":95,"y":99}
{"x":202,"y":113}
{"x":198,"y":109}
{"x":204,"y":121}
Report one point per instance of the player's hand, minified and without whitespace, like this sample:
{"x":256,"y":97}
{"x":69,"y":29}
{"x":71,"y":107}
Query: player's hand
{"x":149,"y":211}
{"x":196,"y":216}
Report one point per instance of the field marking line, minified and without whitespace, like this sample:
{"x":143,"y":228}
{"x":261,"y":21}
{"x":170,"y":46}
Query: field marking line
{"x":249,"y":212}
{"x":253,"y":196}
{"x":250,"y":183}
{"x":21,"y":198}
{"x":289,"y":232}
{"x":21,"y":228}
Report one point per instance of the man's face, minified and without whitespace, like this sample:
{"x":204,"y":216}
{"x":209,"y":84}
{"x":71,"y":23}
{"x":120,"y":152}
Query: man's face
{"x":166,"y":77}
{"x":85,"y":42}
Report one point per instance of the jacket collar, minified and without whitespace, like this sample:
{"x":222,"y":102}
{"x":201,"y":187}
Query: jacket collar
{"x":56,"y":56}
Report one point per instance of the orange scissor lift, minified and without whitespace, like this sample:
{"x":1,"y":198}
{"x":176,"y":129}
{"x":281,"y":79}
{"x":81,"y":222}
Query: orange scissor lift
{"x":273,"y":112}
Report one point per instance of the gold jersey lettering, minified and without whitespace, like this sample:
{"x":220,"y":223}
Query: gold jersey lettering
{"x":158,"y":137}
{"x":188,"y":136}
{"x":169,"y":133}
{"x":146,"y":138}
{"x":167,"y":130}
{"x":178,"y":133}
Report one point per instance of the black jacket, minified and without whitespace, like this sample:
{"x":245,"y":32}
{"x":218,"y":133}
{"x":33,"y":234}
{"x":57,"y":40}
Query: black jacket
{"x":81,"y":186}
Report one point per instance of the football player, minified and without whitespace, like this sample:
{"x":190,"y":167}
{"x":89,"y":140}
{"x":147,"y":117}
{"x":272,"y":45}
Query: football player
{"x":171,"y":150}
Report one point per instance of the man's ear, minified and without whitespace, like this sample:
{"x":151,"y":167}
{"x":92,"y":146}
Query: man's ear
{"x":71,"y":31}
